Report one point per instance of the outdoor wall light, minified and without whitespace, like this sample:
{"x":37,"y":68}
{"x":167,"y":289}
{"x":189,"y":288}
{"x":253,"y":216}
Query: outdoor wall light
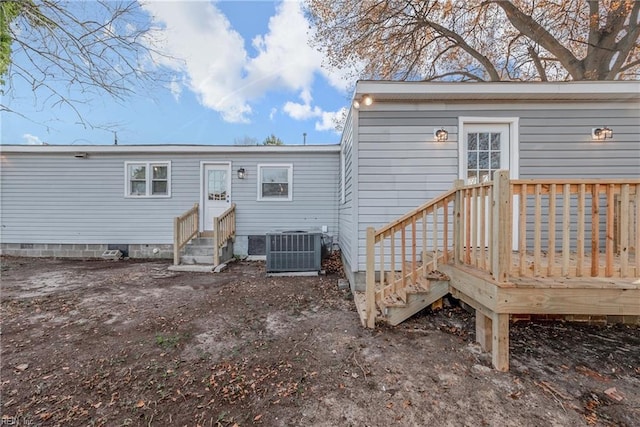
{"x":441,"y":134}
{"x":602,"y":133}
{"x":365,"y":100}
{"x":242,"y":174}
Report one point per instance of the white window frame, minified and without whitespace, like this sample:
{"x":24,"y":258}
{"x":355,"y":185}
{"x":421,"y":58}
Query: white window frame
{"x":514,"y":142}
{"x":148,"y":179}
{"x":289,"y":167}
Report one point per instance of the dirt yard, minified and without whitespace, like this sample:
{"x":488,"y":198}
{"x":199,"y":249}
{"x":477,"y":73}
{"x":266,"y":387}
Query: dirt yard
{"x":130,"y":343}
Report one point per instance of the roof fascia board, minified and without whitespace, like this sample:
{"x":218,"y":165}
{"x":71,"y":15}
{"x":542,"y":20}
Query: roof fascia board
{"x":502,"y":89}
{"x":170,"y":149}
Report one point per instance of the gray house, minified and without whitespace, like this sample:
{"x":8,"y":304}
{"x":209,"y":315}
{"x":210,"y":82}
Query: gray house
{"x":82,"y":200}
{"x":405,"y":143}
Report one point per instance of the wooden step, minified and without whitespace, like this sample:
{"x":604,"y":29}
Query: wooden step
{"x":416,"y":302}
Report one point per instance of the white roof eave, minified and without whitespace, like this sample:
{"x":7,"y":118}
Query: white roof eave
{"x":169,"y":149}
{"x":500,"y":91}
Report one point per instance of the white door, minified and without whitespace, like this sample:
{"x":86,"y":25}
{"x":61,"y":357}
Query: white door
{"x":217,"y":192}
{"x":486,"y":149}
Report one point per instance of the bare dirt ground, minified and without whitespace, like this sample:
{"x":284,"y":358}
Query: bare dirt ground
{"x":130,"y":343}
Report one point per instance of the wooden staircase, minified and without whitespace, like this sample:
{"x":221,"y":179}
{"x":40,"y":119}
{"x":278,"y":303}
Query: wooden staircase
{"x":588,"y":266}
{"x":190,"y":246}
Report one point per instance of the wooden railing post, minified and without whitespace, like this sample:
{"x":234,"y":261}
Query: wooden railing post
{"x":458,"y":235}
{"x":216,"y":244}
{"x":176,"y":241}
{"x":502,"y":228}
{"x":370,"y":292}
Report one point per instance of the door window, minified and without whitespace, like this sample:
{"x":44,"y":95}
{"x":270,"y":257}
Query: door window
{"x":483,"y":156}
{"x":217,"y":185}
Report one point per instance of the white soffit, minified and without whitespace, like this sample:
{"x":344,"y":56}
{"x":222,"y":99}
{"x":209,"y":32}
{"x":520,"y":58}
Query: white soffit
{"x":389,"y":91}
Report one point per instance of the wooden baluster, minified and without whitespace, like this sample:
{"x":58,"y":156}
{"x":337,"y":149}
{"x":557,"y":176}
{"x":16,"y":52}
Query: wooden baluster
{"x":483,"y":228}
{"x":445,"y":231}
{"x":382,"y":261}
{"x":537,"y":231}
{"x":490,"y":220}
{"x":522,"y":231}
{"x":424,"y":242}
{"x":403,"y":239}
{"x":595,"y":230}
{"x":435,"y":237}
{"x":636,"y":229}
{"x":623,"y":226}
{"x":581,"y":226}
{"x":394,"y":279}
{"x":474,"y":225}
{"x":551,"y":253}
{"x":467,"y":237}
{"x":414,"y":250}
{"x":608,"y":269}
{"x":566,"y":228}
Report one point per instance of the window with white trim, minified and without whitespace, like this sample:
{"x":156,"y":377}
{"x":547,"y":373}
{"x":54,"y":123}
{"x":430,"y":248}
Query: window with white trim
{"x":275,"y":182}
{"x":147,"y":179}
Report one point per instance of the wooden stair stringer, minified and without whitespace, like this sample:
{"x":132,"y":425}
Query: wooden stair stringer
{"x":416,"y":301}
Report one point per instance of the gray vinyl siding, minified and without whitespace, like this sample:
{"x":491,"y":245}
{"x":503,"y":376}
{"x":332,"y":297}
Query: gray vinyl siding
{"x":345,"y":207}
{"x":401,"y":167}
{"x":56,"y":198}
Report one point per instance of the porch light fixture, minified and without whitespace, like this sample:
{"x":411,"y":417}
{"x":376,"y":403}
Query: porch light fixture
{"x":602,"y":133}
{"x":365,"y":100}
{"x":242,"y":174}
{"x":441,"y":135}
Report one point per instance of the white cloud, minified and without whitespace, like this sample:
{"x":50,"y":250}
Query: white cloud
{"x":203,"y":47}
{"x":31,"y":139}
{"x":272,"y":113}
{"x":332,"y":120}
{"x":301,"y":111}
{"x":175,"y":88}
{"x":328,"y":120}
{"x":201,"y":44}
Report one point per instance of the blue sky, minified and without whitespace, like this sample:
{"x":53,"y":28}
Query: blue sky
{"x":240,"y":69}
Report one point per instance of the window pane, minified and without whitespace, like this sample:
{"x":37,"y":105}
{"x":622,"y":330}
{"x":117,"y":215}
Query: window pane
{"x":484,"y":176}
{"x":275,"y":175}
{"x":484,"y":141}
{"x":483,"y":160}
{"x":495,"y":160}
{"x":159,"y":172}
{"x":495,"y":141}
{"x":138,"y":188}
{"x":159,"y":187}
{"x":472,"y":141}
{"x":472,"y":160}
{"x":137,"y":172}
{"x":275,"y":190}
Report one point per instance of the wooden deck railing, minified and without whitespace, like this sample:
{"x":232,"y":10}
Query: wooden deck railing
{"x":577,"y":228}
{"x":406,"y":250}
{"x":185,"y":228}
{"x":565,"y":228}
{"x":224,"y":228}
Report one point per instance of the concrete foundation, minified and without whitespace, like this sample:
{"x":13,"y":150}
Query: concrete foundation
{"x":82,"y":250}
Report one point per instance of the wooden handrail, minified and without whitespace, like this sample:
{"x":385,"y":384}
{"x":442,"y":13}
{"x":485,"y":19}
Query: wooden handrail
{"x":185,"y":227}
{"x":558,"y":222}
{"x":423,"y":241}
{"x":224,"y":228}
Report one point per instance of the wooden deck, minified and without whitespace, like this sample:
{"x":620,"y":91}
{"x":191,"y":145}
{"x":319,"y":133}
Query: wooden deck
{"x":577,"y":254}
